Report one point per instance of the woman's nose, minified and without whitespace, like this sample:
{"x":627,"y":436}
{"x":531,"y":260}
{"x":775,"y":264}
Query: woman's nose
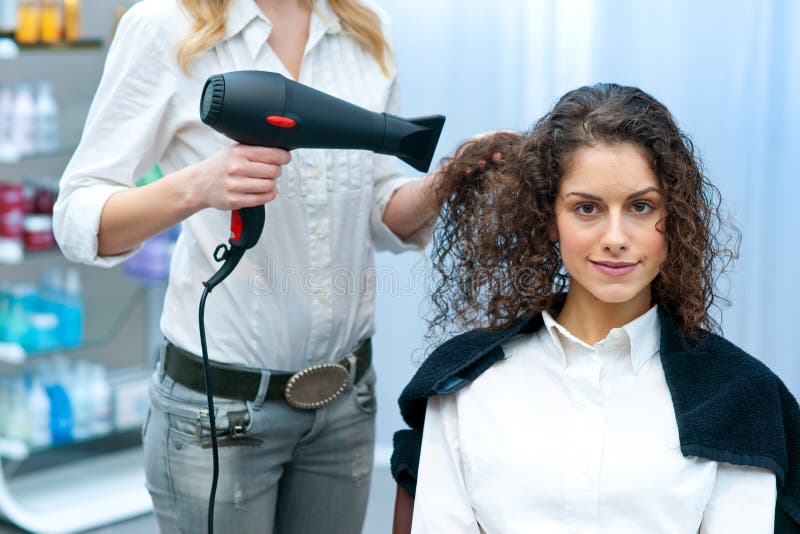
{"x":614,"y":238}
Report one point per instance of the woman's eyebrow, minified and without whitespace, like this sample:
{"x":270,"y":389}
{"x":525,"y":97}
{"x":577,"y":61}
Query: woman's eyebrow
{"x":584,"y":195}
{"x":642,"y":192}
{"x":599,"y":199}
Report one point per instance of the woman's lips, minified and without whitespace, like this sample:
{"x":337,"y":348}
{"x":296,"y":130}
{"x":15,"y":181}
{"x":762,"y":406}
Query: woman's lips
{"x":614,"y":268}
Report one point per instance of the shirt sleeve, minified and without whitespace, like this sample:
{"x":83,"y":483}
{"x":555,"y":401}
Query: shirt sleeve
{"x":742,"y":500}
{"x":441,"y":503}
{"x":388,"y":180}
{"x":127,"y":130}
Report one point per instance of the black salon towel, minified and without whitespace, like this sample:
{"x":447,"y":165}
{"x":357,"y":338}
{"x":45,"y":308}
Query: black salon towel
{"x":728,"y":405}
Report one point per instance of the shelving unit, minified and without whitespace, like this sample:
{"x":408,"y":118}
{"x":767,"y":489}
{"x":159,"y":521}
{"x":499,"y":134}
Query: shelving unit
{"x":86,"y":484}
{"x":79,"y":495}
{"x":63,"y":152}
{"x":9,"y":49}
{"x":69,"y":488}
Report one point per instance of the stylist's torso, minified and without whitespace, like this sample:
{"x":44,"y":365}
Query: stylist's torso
{"x":305,"y":293}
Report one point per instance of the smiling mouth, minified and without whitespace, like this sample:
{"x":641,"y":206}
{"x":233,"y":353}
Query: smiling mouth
{"x":614,"y":264}
{"x":614,"y":268}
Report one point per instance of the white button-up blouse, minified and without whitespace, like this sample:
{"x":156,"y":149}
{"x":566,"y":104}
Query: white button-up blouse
{"x":563,"y":437}
{"x":305,"y":292}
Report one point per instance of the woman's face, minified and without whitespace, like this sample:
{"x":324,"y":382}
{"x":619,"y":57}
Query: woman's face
{"x":608,"y":210}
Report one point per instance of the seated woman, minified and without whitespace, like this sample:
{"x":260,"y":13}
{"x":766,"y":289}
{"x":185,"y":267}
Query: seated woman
{"x":591,"y":393}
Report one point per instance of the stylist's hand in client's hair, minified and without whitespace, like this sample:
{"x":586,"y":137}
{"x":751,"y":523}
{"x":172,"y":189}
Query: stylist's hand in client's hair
{"x":239,"y":176}
{"x":495,"y":158}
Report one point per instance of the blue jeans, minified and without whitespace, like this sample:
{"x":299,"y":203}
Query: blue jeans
{"x":292,"y":472}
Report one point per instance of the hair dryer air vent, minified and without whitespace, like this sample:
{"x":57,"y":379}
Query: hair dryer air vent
{"x":212,"y":99}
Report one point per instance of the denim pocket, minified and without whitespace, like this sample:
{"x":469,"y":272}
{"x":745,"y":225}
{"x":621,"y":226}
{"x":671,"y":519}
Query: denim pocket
{"x":364,"y":392}
{"x":188,"y":417}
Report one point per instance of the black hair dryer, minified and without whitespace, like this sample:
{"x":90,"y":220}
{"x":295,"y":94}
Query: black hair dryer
{"x":266,"y":109}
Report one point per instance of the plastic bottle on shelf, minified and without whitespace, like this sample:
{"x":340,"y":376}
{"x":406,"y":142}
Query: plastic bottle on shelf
{"x":12,"y":210}
{"x":82,"y":402}
{"x":18,"y":320}
{"x":39,"y":410}
{"x":36,"y":329}
{"x":47,"y":121}
{"x":50,"y":291}
{"x":5,"y":304}
{"x":52,"y":26}
{"x":8,"y":150}
{"x":55,"y":372}
{"x":42,"y":334}
{"x":18,"y":422}
{"x":24,"y":128}
{"x":102,"y":422}
{"x":46,"y":192}
{"x":8,"y":18}
{"x":38,"y":232}
{"x":60,"y":413}
{"x":28,"y":293}
{"x":29,"y":22}
{"x":12,"y":214}
{"x":5,"y":402}
{"x":72,"y":21}
{"x":71,"y":318}
{"x":11,"y":251}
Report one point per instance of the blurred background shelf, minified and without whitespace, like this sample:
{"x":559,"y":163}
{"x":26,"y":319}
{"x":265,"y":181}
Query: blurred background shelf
{"x":79,"y":495}
{"x":62,"y":152}
{"x":82,"y":44}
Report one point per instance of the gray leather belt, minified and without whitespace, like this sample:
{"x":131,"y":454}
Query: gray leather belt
{"x":309,"y":388}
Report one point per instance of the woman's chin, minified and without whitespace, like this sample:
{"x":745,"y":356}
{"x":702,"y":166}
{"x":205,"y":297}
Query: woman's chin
{"x":616,"y":295}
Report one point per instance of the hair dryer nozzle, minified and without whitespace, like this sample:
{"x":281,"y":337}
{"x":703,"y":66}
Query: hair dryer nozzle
{"x":412,"y":140}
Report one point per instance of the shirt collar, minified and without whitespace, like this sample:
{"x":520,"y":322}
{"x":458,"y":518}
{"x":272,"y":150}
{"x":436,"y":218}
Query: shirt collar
{"x":323,"y":20}
{"x":243,"y":12}
{"x":642,"y":336}
{"x":240,"y":14}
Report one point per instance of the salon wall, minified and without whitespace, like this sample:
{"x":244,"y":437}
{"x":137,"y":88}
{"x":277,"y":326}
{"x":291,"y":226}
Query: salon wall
{"x":730,"y":77}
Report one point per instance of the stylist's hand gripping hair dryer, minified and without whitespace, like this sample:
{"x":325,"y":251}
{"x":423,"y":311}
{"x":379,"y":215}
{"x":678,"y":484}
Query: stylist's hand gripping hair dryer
{"x":265,"y":109}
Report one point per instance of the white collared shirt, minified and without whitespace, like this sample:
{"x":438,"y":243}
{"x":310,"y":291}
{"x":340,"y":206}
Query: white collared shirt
{"x":563,"y":437}
{"x":305,"y":292}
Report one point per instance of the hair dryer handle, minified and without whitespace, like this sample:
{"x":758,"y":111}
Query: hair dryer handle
{"x":246,"y":226}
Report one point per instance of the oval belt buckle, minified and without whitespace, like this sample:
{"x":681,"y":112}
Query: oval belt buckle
{"x":316,"y":386}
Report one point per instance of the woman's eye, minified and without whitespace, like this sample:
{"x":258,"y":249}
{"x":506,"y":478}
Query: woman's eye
{"x":642,"y":207}
{"x":586,"y":209}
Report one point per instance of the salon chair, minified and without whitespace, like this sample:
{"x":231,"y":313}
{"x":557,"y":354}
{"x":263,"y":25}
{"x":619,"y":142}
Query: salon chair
{"x":403,"y":510}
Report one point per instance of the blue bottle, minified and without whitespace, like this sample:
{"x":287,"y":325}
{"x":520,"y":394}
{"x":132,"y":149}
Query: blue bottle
{"x":70,"y":321}
{"x":61,"y":420}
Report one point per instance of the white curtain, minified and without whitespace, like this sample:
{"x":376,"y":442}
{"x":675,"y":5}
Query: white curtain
{"x":730,"y":73}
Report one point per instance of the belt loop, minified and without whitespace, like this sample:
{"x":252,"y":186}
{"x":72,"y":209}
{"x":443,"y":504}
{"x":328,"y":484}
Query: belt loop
{"x":160,"y":364}
{"x":262,"y":389}
{"x":353,"y":365}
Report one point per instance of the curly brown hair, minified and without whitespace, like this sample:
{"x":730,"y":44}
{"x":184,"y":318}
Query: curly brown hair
{"x":492,"y":256}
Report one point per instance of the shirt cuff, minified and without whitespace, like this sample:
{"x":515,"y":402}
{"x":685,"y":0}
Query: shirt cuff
{"x":383,"y":237}
{"x":76,"y":223}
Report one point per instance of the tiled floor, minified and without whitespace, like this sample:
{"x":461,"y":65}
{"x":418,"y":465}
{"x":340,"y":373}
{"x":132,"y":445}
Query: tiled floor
{"x":379,"y":512}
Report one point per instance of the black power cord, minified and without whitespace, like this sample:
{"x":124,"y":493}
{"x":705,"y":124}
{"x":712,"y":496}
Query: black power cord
{"x":246,"y":227}
{"x":211,"y":418}
{"x":231,"y":256}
